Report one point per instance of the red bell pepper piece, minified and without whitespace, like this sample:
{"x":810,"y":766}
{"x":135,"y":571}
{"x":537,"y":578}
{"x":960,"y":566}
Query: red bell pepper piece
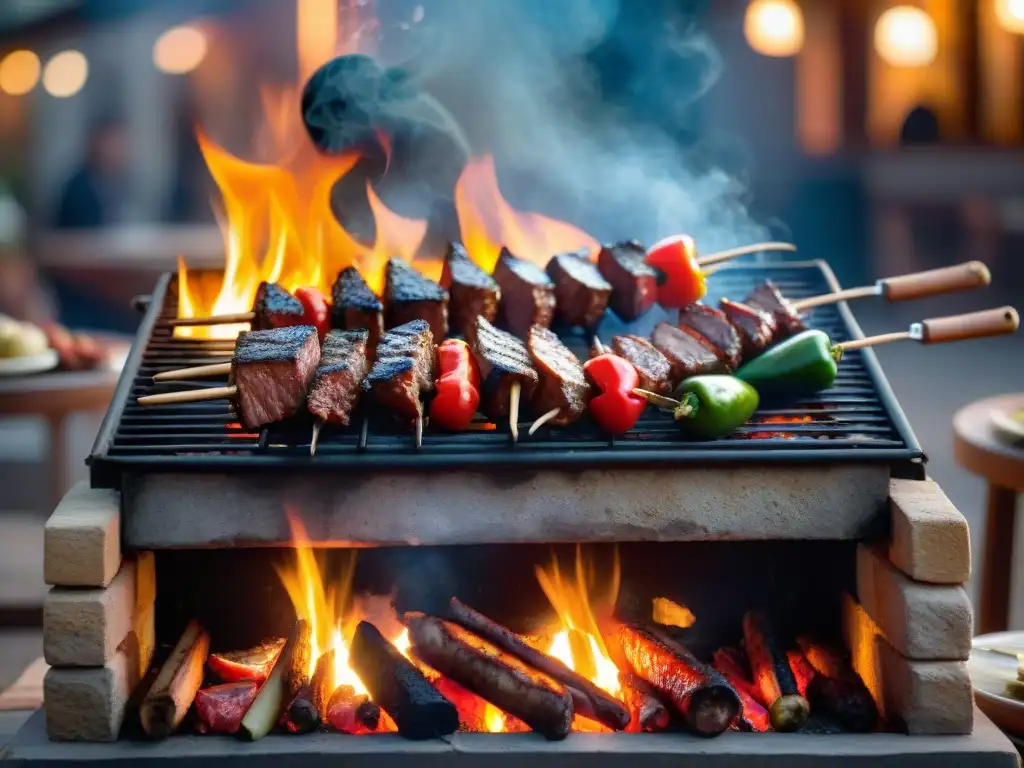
{"x":680,"y":279}
{"x":617,"y":408}
{"x":458,"y":388}
{"x":314,"y":310}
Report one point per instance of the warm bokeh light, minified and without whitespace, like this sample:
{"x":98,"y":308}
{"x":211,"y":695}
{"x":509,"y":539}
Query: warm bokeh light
{"x":65,"y":74}
{"x":179,"y":50}
{"x":906,"y":37}
{"x":774,"y":27}
{"x":19,"y":72}
{"x":1010,"y":14}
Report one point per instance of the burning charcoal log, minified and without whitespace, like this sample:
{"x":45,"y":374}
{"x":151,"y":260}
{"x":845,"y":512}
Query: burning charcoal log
{"x":634,"y":284}
{"x":222,"y":707}
{"x":712,"y":327}
{"x":651,"y":365}
{"x":564,"y":391}
{"x":647,"y":712}
{"x":175,"y":687}
{"x":581,"y":294}
{"x":837,"y":691}
{"x":768,"y":298}
{"x":687,"y":355}
{"x":588,"y":700}
{"x":472,"y":292}
{"x":803,"y":672}
{"x":756,"y":328}
{"x":413,"y":296}
{"x":670,"y":613}
{"x":773,"y":678}
{"x":707,"y":702}
{"x":351,"y":712}
{"x":730,"y":663}
{"x":309,"y":706}
{"x":538,"y":700}
{"x":251,"y":664}
{"x":527,"y":295}
{"x":279,"y":689}
{"x":274,"y":307}
{"x":419,"y":711}
{"x":355,"y":306}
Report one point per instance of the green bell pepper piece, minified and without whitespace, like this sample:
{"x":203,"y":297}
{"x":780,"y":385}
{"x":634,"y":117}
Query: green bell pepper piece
{"x":713,"y":406}
{"x":800,"y":365}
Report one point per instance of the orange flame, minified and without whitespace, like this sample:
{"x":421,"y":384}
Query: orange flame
{"x":397,"y":237}
{"x":488,"y":222}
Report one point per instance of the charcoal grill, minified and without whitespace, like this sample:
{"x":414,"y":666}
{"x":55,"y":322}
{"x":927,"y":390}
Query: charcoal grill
{"x":199,"y":453}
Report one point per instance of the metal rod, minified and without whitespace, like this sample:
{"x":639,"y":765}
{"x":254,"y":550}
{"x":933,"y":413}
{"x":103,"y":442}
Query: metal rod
{"x":732,"y":253}
{"x":831,"y":298}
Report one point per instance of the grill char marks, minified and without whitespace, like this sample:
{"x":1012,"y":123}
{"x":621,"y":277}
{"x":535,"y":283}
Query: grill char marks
{"x":528,"y":295}
{"x":503,"y":360}
{"x":563,"y":384}
{"x":342,"y":368}
{"x":687,"y":355}
{"x":769,"y":298}
{"x":411,"y":296}
{"x":356,"y":306}
{"x":755,"y":327}
{"x":274,"y":307}
{"x":472,"y":291}
{"x":652,"y":366}
{"x":634,"y":284}
{"x":712,"y":327}
{"x":404,"y":369}
{"x":272,"y":369}
{"x":581,"y":294}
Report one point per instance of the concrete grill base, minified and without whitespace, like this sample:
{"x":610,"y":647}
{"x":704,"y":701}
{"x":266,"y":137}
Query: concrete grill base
{"x":985,"y":748}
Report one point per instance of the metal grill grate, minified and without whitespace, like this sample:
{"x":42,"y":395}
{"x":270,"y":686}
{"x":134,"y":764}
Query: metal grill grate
{"x":858,"y":420}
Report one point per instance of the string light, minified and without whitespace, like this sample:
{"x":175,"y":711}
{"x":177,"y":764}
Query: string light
{"x":65,"y":74}
{"x":774,"y":27}
{"x":19,"y":72}
{"x":906,"y":37}
{"x":179,"y":50}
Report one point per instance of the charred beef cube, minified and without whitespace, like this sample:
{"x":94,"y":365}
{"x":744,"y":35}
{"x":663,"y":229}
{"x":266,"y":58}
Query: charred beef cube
{"x":688,"y":355}
{"x":274,"y":307}
{"x":411,"y":296}
{"x":413,"y":339}
{"x":768,"y":298}
{"x":503,"y":361}
{"x":711,"y":326}
{"x":404,"y":369}
{"x":563,"y":384}
{"x":527,"y":294}
{"x":356,"y":306}
{"x":336,"y":383}
{"x":581,"y":294}
{"x":652,"y":367}
{"x":634,"y":284}
{"x":755,"y":327}
{"x":472,"y":292}
{"x":273,"y":369}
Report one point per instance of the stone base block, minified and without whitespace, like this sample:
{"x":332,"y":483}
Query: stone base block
{"x":89,"y":704}
{"x":930,"y":538}
{"x":82,"y":538}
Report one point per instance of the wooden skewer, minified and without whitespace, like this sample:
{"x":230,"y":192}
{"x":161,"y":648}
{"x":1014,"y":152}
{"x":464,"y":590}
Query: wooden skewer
{"x":316,"y":436}
{"x":419,"y":431}
{"x":599,"y":346}
{"x":974,"y":325}
{"x":189,"y":396}
{"x":543,"y":420}
{"x":732,"y":253}
{"x":197,"y":372}
{"x":229,"y":319}
{"x":513,"y":409}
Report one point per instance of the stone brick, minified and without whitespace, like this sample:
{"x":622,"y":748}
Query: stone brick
{"x":930,"y":538}
{"x":89,"y":704}
{"x":82,"y":538}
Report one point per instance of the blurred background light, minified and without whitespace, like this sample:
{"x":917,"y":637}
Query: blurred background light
{"x":1010,"y":14}
{"x":774,"y":27}
{"x":179,"y":50}
{"x":906,"y":37}
{"x":65,"y":74}
{"x":19,"y":72}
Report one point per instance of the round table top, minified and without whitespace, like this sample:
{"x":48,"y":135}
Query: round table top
{"x":979,"y":449}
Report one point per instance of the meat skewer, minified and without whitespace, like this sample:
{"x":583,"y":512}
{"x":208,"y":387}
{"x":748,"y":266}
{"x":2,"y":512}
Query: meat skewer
{"x":404,"y":371}
{"x":755,"y":327}
{"x":713,"y":327}
{"x":653,"y":368}
{"x":410,"y":295}
{"x":634,"y":284}
{"x":273,"y":307}
{"x":528,"y":295}
{"x":472,"y":292}
{"x":687,"y":355}
{"x":581,"y":293}
{"x":336,"y":383}
{"x":506,"y":372}
{"x":271,"y":370}
{"x":356,"y":306}
{"x":564,"y":390}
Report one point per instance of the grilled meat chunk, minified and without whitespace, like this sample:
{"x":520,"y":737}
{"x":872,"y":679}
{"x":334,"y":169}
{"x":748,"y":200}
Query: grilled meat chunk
{"x":528,"y":295}
{"x":472,"y":291}
{"x":404,"y":369}
{"x":335,"y":389}
{"x":563,"y":384}
{"x":651,"y":365}
{"x":712,"y":326}
{"x":581,"y":294}
{"x":503,"y":361}
{"x":274,"y":307}
{"x":769,"y":298}
{"x":410,"y":296}
{"x":272,"y":369}
{"x":356,"y":306}
{"x":756,"y":328}
{"x":634,"y":284}
{"x":688,"y":355}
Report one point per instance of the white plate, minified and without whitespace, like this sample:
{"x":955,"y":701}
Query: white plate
{"x":1007,"y":428}
{"x":990,"y":671}
{"x":21,"y":366}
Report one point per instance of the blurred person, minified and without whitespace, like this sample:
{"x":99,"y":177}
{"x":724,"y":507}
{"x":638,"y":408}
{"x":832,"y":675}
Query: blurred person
{"x":97,"y":194}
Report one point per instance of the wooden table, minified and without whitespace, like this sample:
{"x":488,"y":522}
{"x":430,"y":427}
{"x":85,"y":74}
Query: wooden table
{"x":980,"y":450}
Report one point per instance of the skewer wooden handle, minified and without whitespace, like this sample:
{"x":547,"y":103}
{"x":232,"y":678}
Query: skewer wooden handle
{"x":238,"y":317}
{"x":935,"y":282}
{"x":975,"y":325}
{"x":198,"y":372}
{"x":189,"y":396}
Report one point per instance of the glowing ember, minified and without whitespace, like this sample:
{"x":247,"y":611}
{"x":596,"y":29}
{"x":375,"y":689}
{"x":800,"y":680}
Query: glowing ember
{"x":494,"y":718}
{"x":779,"y":420}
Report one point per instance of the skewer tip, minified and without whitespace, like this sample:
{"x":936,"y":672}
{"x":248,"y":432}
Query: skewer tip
{"x":543,"y":420}
{"x":316,"y":437}
{"x":419,"y":432}
{"x":513,"y":410}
